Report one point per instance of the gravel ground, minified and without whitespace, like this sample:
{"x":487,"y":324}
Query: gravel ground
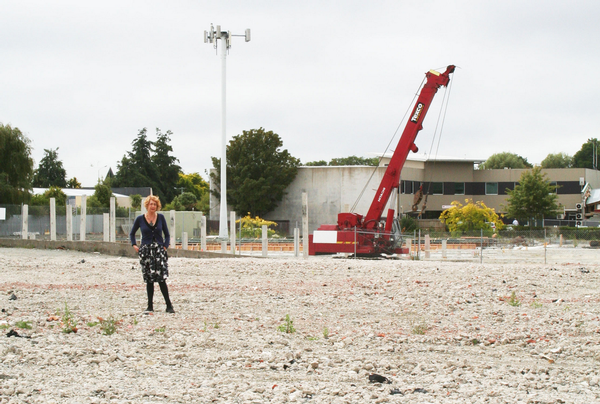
{"x":440,"y":332}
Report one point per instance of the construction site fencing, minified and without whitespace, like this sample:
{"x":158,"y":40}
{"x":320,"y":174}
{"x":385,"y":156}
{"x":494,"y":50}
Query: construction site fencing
{"x":38,"y":219}
{"x":549,"y":245}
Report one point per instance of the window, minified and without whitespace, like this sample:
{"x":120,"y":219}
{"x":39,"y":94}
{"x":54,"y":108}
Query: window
{"x":491,"y":188}
{"x":437,"y":188}
{"x":407,"y":187}
{"x":459,"y":188}
{"x":553,"y":184}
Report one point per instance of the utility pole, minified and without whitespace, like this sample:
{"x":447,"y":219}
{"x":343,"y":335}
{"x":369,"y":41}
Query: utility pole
{"x":225,"y":36}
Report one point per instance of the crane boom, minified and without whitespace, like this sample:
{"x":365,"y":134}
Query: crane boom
{"x":406,"y":144}
{"x":367,"y":235}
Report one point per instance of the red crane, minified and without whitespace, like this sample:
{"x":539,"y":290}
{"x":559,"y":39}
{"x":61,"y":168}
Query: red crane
{"x":369,"y":235}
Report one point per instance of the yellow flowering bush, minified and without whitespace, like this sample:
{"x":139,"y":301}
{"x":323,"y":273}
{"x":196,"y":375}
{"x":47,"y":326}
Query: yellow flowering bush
{"x":470,"y":217}
{"x":252,"y":226}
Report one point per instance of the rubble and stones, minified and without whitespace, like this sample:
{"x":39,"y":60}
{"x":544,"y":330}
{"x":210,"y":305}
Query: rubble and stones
{"x":450,"y":332}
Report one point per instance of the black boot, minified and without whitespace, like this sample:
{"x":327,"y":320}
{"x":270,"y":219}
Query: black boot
{"x":150,"y":293}
{"x":165,"y":292}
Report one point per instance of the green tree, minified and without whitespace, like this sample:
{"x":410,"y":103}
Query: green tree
{"x":101,"y":196}
{"x":50,"y":171}
{"x":317,"y":163}
{"x":584,"y":158}
{"x":136,"y":201}
{"x":470,"y":217}
{"x":533,"y":198}
{"x":203,"y":204}
{"x":137,"y":169}
{"x":505,"y":160}
{"x":558,"y":160}
{"x":355,"y":161}
{"x":193,"y":183}
{"x":408,"y":224}
{"x":52,"y":192}
{"x":168,"y":170}
{"x":185,"y":201}
{"x":44,"y":199}
{"x":258,"y":172}
{"x":103,"y":193}
{"x":73,"y":183}
{"x":188,"y":200}
{"x":16,"y":165}
{"x":347,"y":161}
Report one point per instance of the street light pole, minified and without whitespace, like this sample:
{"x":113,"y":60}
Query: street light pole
{"x":225,"y":37}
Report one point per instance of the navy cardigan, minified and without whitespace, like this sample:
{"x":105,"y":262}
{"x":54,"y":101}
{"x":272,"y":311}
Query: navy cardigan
{"x":150,"y":233}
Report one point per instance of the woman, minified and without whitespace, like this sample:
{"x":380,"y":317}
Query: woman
{"x":153,"y":250}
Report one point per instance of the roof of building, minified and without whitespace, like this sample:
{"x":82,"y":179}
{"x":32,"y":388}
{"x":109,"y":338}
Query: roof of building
{"x":74,"y":192}
{"x":424,"y":157}
{"x":594,"y":197}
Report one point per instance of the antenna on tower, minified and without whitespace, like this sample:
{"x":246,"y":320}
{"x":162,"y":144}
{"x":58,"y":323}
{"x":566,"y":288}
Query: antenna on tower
{"x":225,"y":37}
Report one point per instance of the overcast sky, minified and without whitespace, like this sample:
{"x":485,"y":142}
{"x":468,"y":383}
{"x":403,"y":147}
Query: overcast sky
{"x":332,"y":78}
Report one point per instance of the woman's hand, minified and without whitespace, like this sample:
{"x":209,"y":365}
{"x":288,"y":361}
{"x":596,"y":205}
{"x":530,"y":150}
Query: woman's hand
{"x":137,"y":249}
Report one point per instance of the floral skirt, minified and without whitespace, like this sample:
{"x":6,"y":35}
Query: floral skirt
{"x":155,"y":262}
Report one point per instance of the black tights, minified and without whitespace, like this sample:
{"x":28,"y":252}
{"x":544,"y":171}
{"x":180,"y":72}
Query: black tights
{"x":164,"y":290}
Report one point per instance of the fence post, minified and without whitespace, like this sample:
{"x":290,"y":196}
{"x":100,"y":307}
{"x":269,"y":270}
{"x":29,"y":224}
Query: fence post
{"x":106,"y":227}
{"x":427,"y":246}
{"x":296,"y":241}
{"x":113,"y":220}
{"x":545,"y":242}
{"x":232,"y":230}
{"x":354,"y":241}
{"x":184,"y":240}
{"x":203,"y":232}
{"x":53,"y":219}
{"x":172,"y":230}
{"x":305,"y":225}
{"x":419,"y":246}
{"x":409,"y":246}
{"x":481,"y":248}
{"x":24,"y":221}
{"x":265,"y":241}
{"x":444,"y":245}
{"x":69,"y":218}
{"x":560,"y":244}
{"x":414,"y":238}
{"x":82,"y":218}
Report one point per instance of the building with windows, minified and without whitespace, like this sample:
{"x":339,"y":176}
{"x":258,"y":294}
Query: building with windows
{"x":332,"y":190}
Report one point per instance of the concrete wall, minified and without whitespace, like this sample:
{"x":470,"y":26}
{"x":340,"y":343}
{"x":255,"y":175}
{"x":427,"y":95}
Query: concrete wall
{"x":445,"y":172}
{"x":117,"y":249}
{"x":330,"y":190}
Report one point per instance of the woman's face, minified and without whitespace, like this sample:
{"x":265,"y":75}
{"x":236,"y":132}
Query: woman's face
{"x":152,"y":206}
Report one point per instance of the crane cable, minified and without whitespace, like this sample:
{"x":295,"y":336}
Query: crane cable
{"x":442,"y":116}
{"x":388,"y":146}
